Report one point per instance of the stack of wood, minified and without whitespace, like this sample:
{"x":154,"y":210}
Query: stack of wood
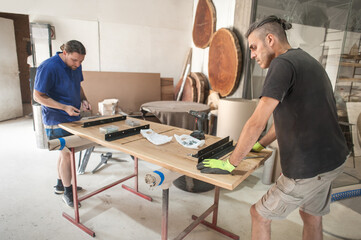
{"x":195,"y":89}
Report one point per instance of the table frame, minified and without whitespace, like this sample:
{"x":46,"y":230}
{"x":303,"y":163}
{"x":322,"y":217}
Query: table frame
{"x":77,"y":200}
{"x":165,"y":205}
{"x":229,"y":182}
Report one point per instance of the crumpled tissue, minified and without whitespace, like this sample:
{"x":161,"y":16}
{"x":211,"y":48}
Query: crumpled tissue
{"x":154,"y":137}
{"x":189,"y":141}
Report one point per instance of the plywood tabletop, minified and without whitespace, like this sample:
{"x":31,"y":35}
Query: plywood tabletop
{"x":171,"y":155}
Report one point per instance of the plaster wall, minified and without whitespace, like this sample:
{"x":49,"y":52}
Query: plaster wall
{"x":120,"y":35}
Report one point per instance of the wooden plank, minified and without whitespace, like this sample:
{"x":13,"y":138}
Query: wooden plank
{"x":167,"y":89}
{"x":350,"y":64}
{"x":171,"y":155}
{"x":94,"y":134}
{"x":177,"y":158}
{"x":344,"y":79}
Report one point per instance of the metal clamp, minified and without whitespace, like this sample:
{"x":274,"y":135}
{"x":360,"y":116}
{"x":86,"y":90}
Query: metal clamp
{"x":215,"y":150}
{"x":103,"y":121}
{"x":124,"y":133}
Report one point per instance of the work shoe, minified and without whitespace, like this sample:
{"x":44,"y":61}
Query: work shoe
{"x":60,"y":189}
{"x":68,"y":199}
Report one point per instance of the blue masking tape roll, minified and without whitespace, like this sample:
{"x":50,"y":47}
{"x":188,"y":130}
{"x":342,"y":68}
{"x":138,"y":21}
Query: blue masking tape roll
{"x":62,"y":143}
{"x":161,"y":175}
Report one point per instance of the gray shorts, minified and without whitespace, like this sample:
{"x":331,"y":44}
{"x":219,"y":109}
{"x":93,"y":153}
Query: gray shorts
{"x":311,"y":195}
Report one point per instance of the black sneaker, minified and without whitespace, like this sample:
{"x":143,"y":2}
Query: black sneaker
{"x":60,"y":189}
{"x":68,"y":199}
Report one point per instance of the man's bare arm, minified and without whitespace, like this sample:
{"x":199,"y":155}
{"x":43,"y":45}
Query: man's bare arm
{"x":253,"y":129}
{"x":269,"y":137}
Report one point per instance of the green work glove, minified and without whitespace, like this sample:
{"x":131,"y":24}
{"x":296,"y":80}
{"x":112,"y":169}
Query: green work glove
{"x":257,"y":147}
{"x":215,"y":166}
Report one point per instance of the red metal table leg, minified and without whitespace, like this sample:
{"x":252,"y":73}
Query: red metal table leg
{"x":79,"y":225}
{"x":135,"y":190}
{"x":213,"y":225}
{"x":75,"y":220}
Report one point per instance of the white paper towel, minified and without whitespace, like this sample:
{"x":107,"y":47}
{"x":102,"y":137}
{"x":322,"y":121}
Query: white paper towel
{"x":233,"y":113}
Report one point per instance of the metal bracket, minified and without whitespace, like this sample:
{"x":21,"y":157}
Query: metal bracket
{"x":84,"y":162}
{"x":215,"y":150}
{"x":124,"y":133}
{"x":103,"y":121}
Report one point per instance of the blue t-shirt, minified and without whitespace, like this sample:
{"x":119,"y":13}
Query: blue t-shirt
{"x":60,"y":83}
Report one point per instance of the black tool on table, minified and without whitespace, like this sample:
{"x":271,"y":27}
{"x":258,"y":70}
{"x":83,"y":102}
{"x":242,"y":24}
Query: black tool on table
{"x":200,"y":117}
{"x":215,"y":150}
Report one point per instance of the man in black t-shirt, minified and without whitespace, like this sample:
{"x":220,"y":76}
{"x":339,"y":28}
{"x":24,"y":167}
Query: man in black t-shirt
{"x":298,"y":92}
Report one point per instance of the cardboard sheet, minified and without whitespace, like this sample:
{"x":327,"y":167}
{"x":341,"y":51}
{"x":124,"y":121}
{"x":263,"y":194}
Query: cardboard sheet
{"x":131,"y":89}
{"x":233,"y":113}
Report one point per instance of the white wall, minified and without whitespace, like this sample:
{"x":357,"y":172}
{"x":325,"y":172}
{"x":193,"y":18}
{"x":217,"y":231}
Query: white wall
{"x":225,"y":19}
{"x":119,"y":35}
{"x":85,"y":31}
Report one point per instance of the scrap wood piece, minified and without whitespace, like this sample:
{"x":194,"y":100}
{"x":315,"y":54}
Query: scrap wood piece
{"x":180,"y":90}
{"x":166,"y":89}
{"x":185,"y":72}
{"x":224,"y":65}
{"x":189,"y":93}
{"x":204,"y":23}
{"x":201,"y":85}
{"x":187,"y":61}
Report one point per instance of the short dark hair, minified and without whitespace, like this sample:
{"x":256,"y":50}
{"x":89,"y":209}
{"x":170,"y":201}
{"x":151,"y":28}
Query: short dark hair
{"x":271,"y":24}
{"x":73,"y":46}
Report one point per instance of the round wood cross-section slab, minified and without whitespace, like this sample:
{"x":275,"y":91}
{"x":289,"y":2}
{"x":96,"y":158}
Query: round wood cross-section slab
{"x":189,"y":93}
{"x":224,"y":64}
{"x":202,"y":86}
{"x":204,"y":23}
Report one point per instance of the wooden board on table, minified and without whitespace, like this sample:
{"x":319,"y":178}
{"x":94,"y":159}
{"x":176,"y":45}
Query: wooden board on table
{"x":177,"y":158}
{"x":171,"y":155}
{"x":93,"y":133}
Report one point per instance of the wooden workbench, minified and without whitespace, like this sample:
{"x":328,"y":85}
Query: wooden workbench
{"x":172,"y":156}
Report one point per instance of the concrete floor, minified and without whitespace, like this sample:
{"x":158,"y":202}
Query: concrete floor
{"x":30,"y":210}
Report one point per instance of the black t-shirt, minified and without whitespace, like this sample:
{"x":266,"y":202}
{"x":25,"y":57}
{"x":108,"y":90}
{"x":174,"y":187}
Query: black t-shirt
{"x":309,"y":137}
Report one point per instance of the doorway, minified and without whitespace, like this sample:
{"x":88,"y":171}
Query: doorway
{"x":10,"y":95}
{"x":21,"y":31}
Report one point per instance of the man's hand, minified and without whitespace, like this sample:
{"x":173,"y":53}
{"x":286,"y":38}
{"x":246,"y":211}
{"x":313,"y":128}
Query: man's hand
{"x":215,"y":166}
{"x":85,"y":105}
{"x":72,"y":111}
{"x":257,"y":147}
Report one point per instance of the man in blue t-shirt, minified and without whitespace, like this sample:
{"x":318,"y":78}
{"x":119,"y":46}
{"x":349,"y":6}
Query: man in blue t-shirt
{"x":298,"y":92}
{"x":57,"y":88}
